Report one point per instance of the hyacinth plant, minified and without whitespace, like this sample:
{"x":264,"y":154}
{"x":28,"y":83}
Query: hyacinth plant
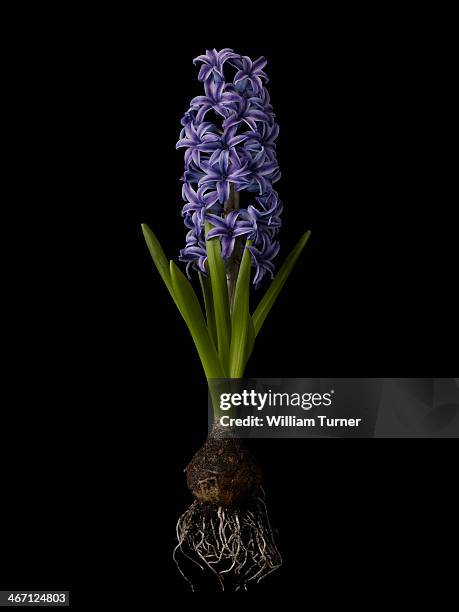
{"x":232,"y":214}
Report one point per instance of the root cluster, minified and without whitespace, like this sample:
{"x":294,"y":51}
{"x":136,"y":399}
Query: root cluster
{"x":236,"y":543}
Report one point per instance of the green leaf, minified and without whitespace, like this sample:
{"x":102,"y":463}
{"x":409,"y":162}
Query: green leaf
{"x":159,"y":259}
{"x":274,"y":289}
{"x":240,"y":336}
{"x":250,"y":341}
{"x":192,"y":313}
{"x":206,"y":288}
{"x":220,"y":297}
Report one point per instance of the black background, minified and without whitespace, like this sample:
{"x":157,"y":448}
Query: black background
{"x":105,"y":402}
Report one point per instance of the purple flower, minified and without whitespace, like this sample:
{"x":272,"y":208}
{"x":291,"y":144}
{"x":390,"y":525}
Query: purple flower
{"x":194,"y":252}
{"x":271,"y":202}
{"x":193,"y":173}
{"x":263,"y":102}
{"x":262,"y":258}
{"x":250,"y":71}
{"x":198,"y":201}
{"x":196,"y":139}
{"x":225,"y":147}
{"x":195,"y":224}
{"x":261,"y":169}
{"x":263,"y":138}
{"x":247,"y":113}
{"x":228,"y":229}
{"x":264,"y":221}
{"x":187,"y":118}
{"x":193,"y":237}
{"x":212,"y":63}
{"x":216,"y":99}
{"x":195,"y":256}
{"x":221,"y":175}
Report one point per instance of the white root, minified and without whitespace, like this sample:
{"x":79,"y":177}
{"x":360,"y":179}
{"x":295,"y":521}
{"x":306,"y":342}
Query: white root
{"x":235,"y":543}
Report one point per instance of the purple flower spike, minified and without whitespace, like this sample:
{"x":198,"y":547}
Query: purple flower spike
{"x":229,"y":135}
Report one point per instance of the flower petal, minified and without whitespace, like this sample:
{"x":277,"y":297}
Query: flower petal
{"x":223,"y":190}
{"x":227,"y":246}
{"x":204,"y":72}
{"x":259,"y":64}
